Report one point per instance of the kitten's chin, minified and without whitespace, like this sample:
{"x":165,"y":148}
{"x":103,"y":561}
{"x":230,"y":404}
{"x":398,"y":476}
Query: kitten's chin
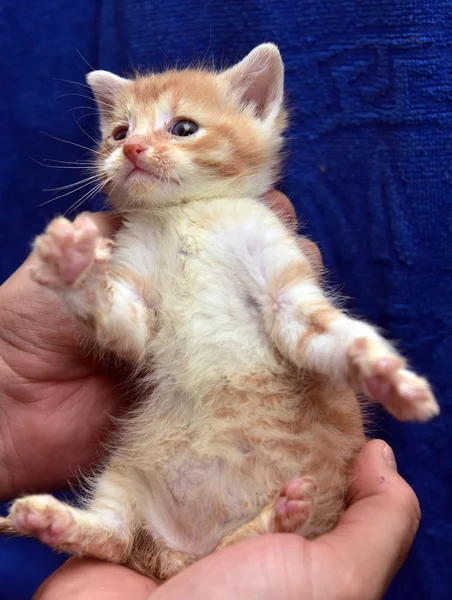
{"x":140,"y":191}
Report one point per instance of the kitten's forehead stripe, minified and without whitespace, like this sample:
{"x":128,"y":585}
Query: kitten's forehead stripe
{"x":192,"y":87}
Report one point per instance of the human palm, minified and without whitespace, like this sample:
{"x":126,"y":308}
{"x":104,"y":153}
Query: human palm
{"x":55,"y":400}
{"x":356,"y":561}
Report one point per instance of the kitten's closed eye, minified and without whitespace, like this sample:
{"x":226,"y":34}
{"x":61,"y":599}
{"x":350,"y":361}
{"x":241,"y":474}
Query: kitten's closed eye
{"x":183,"y":128}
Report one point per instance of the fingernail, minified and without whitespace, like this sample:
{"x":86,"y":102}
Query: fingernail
{"x":389,"y":457}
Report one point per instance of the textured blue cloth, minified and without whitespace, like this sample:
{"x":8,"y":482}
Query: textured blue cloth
{"x":369,"y":171}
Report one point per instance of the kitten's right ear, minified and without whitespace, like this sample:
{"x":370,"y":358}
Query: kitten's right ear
{"x":105,"y":87}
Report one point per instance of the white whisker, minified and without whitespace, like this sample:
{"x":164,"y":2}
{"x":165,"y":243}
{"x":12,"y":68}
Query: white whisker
{"x":71,"y":162}
{"x":85,"y":197}
{"x":84,"y":131}
{"x":86,"y":167}
{"x":74,"y":108}
{"x":72,"y":143}
{"x":74,"y":82}
{"x":66,"y":94}
{"x":66,"y":194}
{"x":84,"y":60}
{"x":65,"y":187}
{"x":106,"y":104}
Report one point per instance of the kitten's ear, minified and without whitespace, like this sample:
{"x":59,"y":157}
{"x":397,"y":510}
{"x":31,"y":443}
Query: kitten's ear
{"x":258,"y":80}
{"x":105,"y":87}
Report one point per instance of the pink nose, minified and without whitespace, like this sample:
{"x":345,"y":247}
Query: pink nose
{"x":133,"y":148}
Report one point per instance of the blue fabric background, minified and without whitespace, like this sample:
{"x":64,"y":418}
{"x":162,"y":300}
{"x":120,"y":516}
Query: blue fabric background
{"x":369,"y":83}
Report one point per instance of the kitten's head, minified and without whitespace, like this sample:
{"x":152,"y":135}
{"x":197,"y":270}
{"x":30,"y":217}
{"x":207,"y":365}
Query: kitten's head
{"x":183,"y":135}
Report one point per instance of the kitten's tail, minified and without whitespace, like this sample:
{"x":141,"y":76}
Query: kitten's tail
{"x":5,"y":526}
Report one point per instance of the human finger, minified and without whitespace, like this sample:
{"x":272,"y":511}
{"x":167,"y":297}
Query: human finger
{"x":79,"y":579}
{"x":312,"y":252}
{"x":282,"y":206}
{"x":373,"y":537}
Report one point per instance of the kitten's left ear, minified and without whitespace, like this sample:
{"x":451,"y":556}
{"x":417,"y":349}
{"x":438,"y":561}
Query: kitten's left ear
{"x":258,"y":81}
{"x":105,"y":86}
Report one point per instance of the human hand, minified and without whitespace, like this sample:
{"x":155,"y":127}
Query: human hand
{"x":356,"y":561}
{"x":55,"y":401}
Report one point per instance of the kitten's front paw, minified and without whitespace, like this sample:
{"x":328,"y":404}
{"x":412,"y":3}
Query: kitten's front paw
{"x":384,"y":378}
{"x":68,"y":251}
{"x":44,"y":517}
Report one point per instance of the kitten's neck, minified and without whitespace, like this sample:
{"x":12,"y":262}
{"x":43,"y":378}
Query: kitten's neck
{"x":162,"y":218}
{"x":167,"y":210}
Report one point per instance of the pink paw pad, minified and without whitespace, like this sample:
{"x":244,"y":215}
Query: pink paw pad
{"x":293,"y":507}
{"x":66,"y":251}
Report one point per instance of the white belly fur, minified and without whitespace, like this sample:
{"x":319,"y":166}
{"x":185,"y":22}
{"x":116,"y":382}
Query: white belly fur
{"x":199,"y":474}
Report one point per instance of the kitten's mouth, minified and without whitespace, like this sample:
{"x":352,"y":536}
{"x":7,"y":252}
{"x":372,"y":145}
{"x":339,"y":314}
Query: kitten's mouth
{"x":147,"y":174}
{"x":136,"y":171}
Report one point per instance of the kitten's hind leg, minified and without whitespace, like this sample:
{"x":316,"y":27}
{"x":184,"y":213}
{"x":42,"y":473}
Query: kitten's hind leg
{"x":69,"y":529}
{"x":154,"y":558}
{"x":289,"y":513}
{"x":105,"y":530}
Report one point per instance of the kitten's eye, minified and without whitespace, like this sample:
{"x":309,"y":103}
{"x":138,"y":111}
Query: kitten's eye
{"x":120,"y":133}
{"x":183,"y":128}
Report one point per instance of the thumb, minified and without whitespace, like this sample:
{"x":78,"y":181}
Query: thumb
{"x":375,"y":533}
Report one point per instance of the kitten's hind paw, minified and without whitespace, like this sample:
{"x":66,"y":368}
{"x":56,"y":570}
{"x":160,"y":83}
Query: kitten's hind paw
{"x":43,"y":517}
{"x":294,"y":506}
{"x":67,"y":528}
{"x":68,"y":251}
{"x":384,"y":378}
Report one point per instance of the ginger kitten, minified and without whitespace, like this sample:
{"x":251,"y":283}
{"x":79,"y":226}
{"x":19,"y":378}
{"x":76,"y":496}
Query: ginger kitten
{"x":248,"y":421}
